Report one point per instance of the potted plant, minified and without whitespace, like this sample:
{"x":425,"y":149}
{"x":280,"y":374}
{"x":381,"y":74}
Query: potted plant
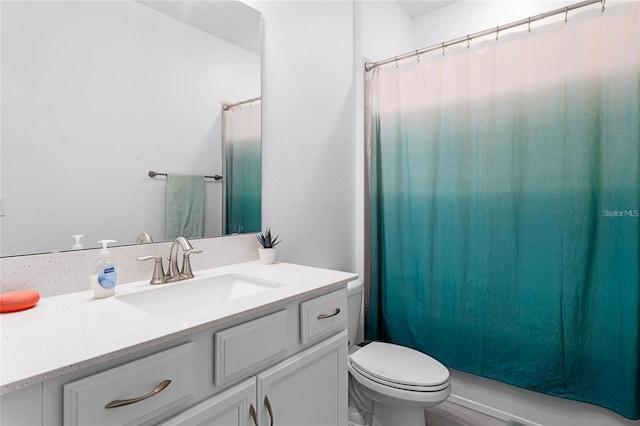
{"x":267,"y":252}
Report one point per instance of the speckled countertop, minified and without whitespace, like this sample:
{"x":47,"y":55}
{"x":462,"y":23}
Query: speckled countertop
{"x":72,"y":331}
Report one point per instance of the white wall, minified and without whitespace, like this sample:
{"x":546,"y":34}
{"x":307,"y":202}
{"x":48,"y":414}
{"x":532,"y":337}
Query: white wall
{"x":387,"y":30}
{"x":83,"y":84}
{"x":468,"y":17}
{"x":308,"y":130}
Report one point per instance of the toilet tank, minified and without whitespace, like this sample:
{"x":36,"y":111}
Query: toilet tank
{"x":355,"y":295}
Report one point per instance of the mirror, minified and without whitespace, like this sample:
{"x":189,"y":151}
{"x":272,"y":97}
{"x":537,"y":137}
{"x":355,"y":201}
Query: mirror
{"x":97,"y":94}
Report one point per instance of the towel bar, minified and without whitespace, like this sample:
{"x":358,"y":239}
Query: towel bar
{"x":153,"y":174}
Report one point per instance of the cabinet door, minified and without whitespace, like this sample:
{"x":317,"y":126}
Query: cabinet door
{"x":308,"y":389}
{"x":234,"y":407}
{"x":22,"y":407}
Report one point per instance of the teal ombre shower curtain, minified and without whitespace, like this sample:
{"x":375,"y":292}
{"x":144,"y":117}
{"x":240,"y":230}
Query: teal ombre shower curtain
{"x":242,"y":142}
{"x":505,"y":198}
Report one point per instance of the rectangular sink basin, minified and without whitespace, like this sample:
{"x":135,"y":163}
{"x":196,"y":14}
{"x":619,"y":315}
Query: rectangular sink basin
{"x":196,"y":293}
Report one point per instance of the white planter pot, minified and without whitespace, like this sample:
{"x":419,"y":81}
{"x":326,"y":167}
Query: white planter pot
{"x":267,"y":255}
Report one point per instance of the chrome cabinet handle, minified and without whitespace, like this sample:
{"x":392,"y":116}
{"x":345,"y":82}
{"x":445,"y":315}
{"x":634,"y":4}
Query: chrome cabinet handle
{"x":268,"y":405}
{"x":252,"y":412}
{"x":121,"y":402}
{"x":325,"y":316}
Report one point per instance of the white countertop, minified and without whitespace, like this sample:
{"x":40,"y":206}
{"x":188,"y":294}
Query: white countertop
{"x":69,"y":332}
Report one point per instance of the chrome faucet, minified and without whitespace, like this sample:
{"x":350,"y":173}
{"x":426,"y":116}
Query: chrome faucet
{"x":174,"y":273}
{"x":144,"y":238}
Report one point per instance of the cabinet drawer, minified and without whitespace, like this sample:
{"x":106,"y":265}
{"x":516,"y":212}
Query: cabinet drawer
{"x":243,"y":349}
{"x":323,"y":315}
{"x":85,"y":400}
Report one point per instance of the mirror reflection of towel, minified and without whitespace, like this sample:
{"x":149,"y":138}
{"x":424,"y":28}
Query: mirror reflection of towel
{"x":185,"y":206}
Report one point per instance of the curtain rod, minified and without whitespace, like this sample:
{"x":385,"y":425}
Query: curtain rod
{"x":227,"y":107}
{"x":153,"y":174}
{"x":368,"y":66}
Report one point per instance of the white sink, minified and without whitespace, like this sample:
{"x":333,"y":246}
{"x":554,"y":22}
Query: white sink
{"x":196,"y":293}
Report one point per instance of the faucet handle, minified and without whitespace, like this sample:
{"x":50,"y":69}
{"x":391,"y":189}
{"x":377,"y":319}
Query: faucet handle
{"x":158,"y":269}
{"x":186,"y":263}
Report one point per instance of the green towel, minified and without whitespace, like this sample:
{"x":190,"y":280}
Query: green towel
{"x":185,"y":206}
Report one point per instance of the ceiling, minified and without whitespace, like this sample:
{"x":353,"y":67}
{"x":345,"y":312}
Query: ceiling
{"x":420,"y":7}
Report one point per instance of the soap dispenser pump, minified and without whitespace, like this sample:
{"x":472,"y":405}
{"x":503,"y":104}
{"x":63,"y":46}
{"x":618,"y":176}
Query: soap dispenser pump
{"x":104,"y":276}
{"x":77,"y":245}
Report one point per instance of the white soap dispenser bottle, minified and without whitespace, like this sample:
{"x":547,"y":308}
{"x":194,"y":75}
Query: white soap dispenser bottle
{"x":104,"y":276}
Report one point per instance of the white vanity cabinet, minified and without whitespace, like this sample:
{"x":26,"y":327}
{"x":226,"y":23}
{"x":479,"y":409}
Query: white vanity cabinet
{"x":274,"y":359}
{"x":309,"y":388}
{"x":285,"y":364}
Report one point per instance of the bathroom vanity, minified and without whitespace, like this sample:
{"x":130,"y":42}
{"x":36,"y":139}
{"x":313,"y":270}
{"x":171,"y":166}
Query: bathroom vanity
{"x":274,"y":352}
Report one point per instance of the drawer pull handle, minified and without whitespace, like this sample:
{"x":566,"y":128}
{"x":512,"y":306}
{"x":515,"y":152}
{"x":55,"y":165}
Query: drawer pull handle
{"x":268,"y":405}
{"x":325,"y":316}
{"x":121,"y":402}
{"x":252,"y":412}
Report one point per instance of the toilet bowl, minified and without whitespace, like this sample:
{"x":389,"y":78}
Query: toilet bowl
{"x":391,"y":385}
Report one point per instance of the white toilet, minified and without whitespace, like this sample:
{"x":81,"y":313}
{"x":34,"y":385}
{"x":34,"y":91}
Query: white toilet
{"x":390,"y":385}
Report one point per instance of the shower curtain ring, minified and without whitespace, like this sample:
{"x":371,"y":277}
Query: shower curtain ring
{"x":603,"y":2}
{"x":443,"y":48}
{"x":418,"y":55}
{"x":529,"y":24}
{"x":566,"y":13}
{"x":497,"y":32}
{"x":468,"y":41}
{"x":396,"y":58}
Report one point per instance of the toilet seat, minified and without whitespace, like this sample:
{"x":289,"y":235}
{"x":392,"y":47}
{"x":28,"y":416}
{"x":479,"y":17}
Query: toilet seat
{"x":400,"y":386}
{"x":399,"y":367}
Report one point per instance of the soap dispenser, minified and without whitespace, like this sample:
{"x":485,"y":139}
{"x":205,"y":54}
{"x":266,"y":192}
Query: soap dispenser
{"x":77,"y":245}
{"x":104,"y":275}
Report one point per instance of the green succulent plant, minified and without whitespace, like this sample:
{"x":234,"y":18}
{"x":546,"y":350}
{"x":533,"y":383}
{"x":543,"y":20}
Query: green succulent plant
{"x":266,"y":241}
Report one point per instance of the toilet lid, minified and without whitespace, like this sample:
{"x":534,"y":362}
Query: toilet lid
{"x":400,"y":365}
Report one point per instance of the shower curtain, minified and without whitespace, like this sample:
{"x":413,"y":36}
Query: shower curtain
{"x":242,"y":147}
{"x":505,"y":200}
